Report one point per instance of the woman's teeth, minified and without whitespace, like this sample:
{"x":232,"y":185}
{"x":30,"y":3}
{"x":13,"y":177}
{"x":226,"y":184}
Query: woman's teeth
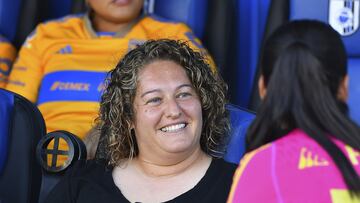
{"x":173,"y":128}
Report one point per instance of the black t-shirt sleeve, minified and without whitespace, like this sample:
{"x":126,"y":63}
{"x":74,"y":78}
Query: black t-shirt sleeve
{"x":61,"y":192}
{"x":65,"y":189}
{"x":214,"y":187}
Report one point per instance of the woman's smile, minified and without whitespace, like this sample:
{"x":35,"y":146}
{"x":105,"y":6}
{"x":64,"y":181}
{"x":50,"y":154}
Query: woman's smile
{"x":174,"y":128}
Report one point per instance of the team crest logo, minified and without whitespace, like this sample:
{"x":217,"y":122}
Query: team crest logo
{"x":344,"y":16}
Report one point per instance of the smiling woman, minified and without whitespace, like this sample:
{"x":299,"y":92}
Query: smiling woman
{"x":163,"y":126}
{"x":168,"y":117}
{"x":63,"y":63}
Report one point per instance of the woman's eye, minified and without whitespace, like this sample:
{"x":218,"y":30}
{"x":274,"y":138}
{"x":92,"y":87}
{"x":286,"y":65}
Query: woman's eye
{"x":154,"y":100}
{"x":183,"y":95}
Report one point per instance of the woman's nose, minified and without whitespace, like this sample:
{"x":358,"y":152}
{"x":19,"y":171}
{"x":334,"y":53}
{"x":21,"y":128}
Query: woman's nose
{"x":173,"y":109}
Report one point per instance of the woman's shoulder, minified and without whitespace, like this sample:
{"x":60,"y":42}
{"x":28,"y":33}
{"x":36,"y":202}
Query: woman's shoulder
{"x":63,"y":22}
{"x":89,"y":181}
{"x":220,"y":172}
{"x":286,"y":149}
{"x":70,"y":26}
{"x":222,"y":165}
{"x":297,"y":143}
{"x":160,"y":24}
{"x":252,"y":160}
{"x":160,"y":20}
{"x":214,"y":186}
{"x":295,"y":153}
{"x":89,"y":169}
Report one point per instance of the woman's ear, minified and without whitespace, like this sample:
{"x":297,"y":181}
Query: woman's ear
{"x":343,"y":90}
{"x":262,"y":87}
{"x":132,"y":126}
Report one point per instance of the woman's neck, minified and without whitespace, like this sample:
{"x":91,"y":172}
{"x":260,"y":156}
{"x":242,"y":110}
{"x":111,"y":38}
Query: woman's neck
{"x":101,"y":25}
{"x":173,"y":167}
{"x":139,"y":179}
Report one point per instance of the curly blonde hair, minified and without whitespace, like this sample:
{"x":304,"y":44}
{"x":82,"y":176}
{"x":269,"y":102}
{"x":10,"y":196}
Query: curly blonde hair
{"x":117,"y":140}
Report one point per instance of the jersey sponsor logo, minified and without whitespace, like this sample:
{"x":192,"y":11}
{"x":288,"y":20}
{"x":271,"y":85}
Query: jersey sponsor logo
{"x":344,"y":16}
{"x":72,"y":86}
{"x":309,"y":159}
{"x":75,"y":86}
{"x":101,"y":87}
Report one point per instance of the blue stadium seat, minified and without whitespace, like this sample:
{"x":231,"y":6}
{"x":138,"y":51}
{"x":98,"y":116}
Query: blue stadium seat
{"x":354,"y":89}
{"x":22,"y":126}
{"x":240,"y":119}
{"x":6,"y":109}
{"x":343,"y":16}
{"x":9,"y":15}
{"x":59,"y":8}
{"x":251,"y":21}
{"x":23,"y":144}
{"x":191,"y":12}
{"x":18,"y":18}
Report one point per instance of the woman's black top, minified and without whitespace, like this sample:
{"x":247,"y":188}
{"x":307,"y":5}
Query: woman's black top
{"x":93,"y":182}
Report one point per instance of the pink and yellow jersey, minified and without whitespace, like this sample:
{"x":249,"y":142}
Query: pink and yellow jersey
{"x":7,"y":57}
{"x":62,"y":66}
{"x":292,"y":169}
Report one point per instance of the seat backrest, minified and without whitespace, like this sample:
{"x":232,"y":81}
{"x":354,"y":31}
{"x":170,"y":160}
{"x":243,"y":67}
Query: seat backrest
{"x":343,"y":16}
{"x":47,"y":156}
{"x":31,"y":13}
{"x":9,"y":15}
{"x":23,"y":140}
{"x":278,"y":13}
{"x":59,"y":8}
{"x":354,"y":89}
{"x":240,"y":120}
{"x":250,"y":26}
{"x":6,"y":109}
{"x":191,"y":12}
{"x":21,"y":127}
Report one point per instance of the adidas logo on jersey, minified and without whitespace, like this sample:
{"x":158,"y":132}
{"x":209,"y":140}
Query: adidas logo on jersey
{"x":66,"y":50}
